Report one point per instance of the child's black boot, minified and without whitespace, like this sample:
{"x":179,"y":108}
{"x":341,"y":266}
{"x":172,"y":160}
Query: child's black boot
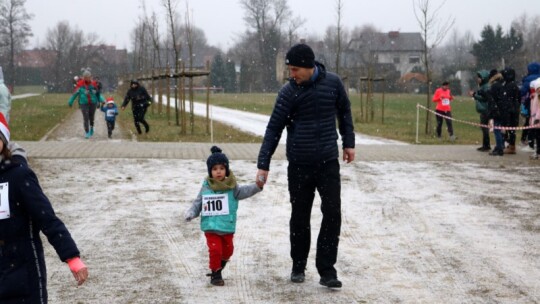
{"x":216,"y":279}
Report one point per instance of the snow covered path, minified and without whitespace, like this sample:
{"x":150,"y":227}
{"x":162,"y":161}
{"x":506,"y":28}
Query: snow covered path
{"x":256,"y":123}
{"x":413,"y":232}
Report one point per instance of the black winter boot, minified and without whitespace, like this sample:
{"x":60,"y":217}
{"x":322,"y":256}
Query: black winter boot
{"x":298,"y":274}
{"x":215,"y":278}
{"x":223,"y":263}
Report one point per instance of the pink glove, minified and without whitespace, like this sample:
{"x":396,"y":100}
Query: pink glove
{"x":75,"y":264}
{"x":79,"y":270}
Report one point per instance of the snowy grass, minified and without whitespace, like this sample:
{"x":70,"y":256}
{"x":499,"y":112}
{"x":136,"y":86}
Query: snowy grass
{"x":399,"y":115}
{"x":32,"y":117}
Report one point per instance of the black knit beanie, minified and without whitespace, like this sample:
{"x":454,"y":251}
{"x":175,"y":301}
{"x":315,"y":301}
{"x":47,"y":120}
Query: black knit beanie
{"x":300,"y":55}
{"x":217,"y":158}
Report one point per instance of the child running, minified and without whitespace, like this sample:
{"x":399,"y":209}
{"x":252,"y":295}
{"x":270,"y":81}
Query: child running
{"x":111,"y":111}
{"x":217,"y":203}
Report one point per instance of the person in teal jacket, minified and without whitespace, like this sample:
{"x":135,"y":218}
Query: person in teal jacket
{"x":481,"y":98}
{"x":217,"y":203}
{"x":89,"y":99}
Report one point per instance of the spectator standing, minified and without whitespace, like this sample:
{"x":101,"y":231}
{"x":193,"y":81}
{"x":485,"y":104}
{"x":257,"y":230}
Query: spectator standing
{"x":496,"y":111}
{"x":511,"y":104}
{"x":443,"y":97}
{"x":533,"y":72}
{"x":481,"y":96}
{"x":535,"y":115}
{"x":308,"y":106}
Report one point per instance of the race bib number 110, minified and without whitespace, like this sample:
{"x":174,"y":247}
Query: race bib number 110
{"x":215,"y":204}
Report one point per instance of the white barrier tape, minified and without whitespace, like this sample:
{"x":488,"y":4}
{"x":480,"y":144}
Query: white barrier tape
{"x":477,"y":124}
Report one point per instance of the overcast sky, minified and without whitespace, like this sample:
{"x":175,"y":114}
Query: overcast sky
{"x":222,"y":20}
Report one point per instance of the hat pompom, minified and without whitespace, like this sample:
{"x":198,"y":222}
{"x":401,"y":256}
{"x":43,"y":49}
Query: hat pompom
{"x":215,"y":149}
{"x":4,"y":128}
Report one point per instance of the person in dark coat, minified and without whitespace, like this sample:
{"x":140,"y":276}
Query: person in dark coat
{"x":25,"y":211}
{"x":511,"y":105}
{"x":496,"y":111}
{"x":140,"y":100}
{"x":308,"y":106}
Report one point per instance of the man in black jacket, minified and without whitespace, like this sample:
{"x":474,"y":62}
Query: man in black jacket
{"x":308,"y":106}
{"x":140,"y":100}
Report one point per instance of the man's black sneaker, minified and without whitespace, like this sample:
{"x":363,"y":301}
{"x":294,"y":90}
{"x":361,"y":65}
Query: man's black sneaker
{"x":484,"y":149}
{"x":298,"y":277}
{"x":496,"y":152}
{"x":330,"y":282}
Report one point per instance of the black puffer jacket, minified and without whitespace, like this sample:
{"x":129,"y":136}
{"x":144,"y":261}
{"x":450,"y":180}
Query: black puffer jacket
{"x":138,"y":96}
{"x":22,"y":263}
{"x":309,"y":112}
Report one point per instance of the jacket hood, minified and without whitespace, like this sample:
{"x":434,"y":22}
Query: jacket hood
{"x":495,"y":78}
{"x":484,"y":75}
{"x":509,"y":75}
{"x":533,"y":68}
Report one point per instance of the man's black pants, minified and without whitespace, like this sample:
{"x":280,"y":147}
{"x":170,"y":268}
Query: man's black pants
{"x":303,"y":181}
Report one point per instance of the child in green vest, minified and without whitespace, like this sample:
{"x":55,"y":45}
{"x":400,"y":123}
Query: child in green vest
{"x":217,"y":203}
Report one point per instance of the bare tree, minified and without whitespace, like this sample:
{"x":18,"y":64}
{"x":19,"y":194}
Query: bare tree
{"x":529,"y":27}
{"x":172,"y":18}
{"x":14,"y":32}
{"x":266,"y":17}
{"x":339,"y":13}
{"x":190,"y":43}
{"x":293,"y":25}
{"x":333,"y":45}
{"x":73,"y":51}
{"x":433,"y":29}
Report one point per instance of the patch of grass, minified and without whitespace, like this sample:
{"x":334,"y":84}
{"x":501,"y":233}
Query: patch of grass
{"x":36,"y":89}
{"x":164,"y":129}
{"x":399,"y":115}
{"x":31,"y":118}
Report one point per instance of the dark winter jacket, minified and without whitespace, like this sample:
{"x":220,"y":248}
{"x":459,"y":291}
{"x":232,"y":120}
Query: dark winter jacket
{"x":309,"y":112}
{"x":22,"y":262}
{"x":496,"y":100}
{"x":138,"y":96}
{"x":511,"y":92}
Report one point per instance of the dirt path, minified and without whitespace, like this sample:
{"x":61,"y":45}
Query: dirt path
{"x":71,"y":129}
{"x":420,"y":232}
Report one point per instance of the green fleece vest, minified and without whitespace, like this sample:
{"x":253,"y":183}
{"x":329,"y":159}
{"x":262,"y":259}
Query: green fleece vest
{"x":212,"y":205}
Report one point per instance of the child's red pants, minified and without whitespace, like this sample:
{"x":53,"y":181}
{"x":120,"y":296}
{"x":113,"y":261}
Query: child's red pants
{"x":220,"y":247}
